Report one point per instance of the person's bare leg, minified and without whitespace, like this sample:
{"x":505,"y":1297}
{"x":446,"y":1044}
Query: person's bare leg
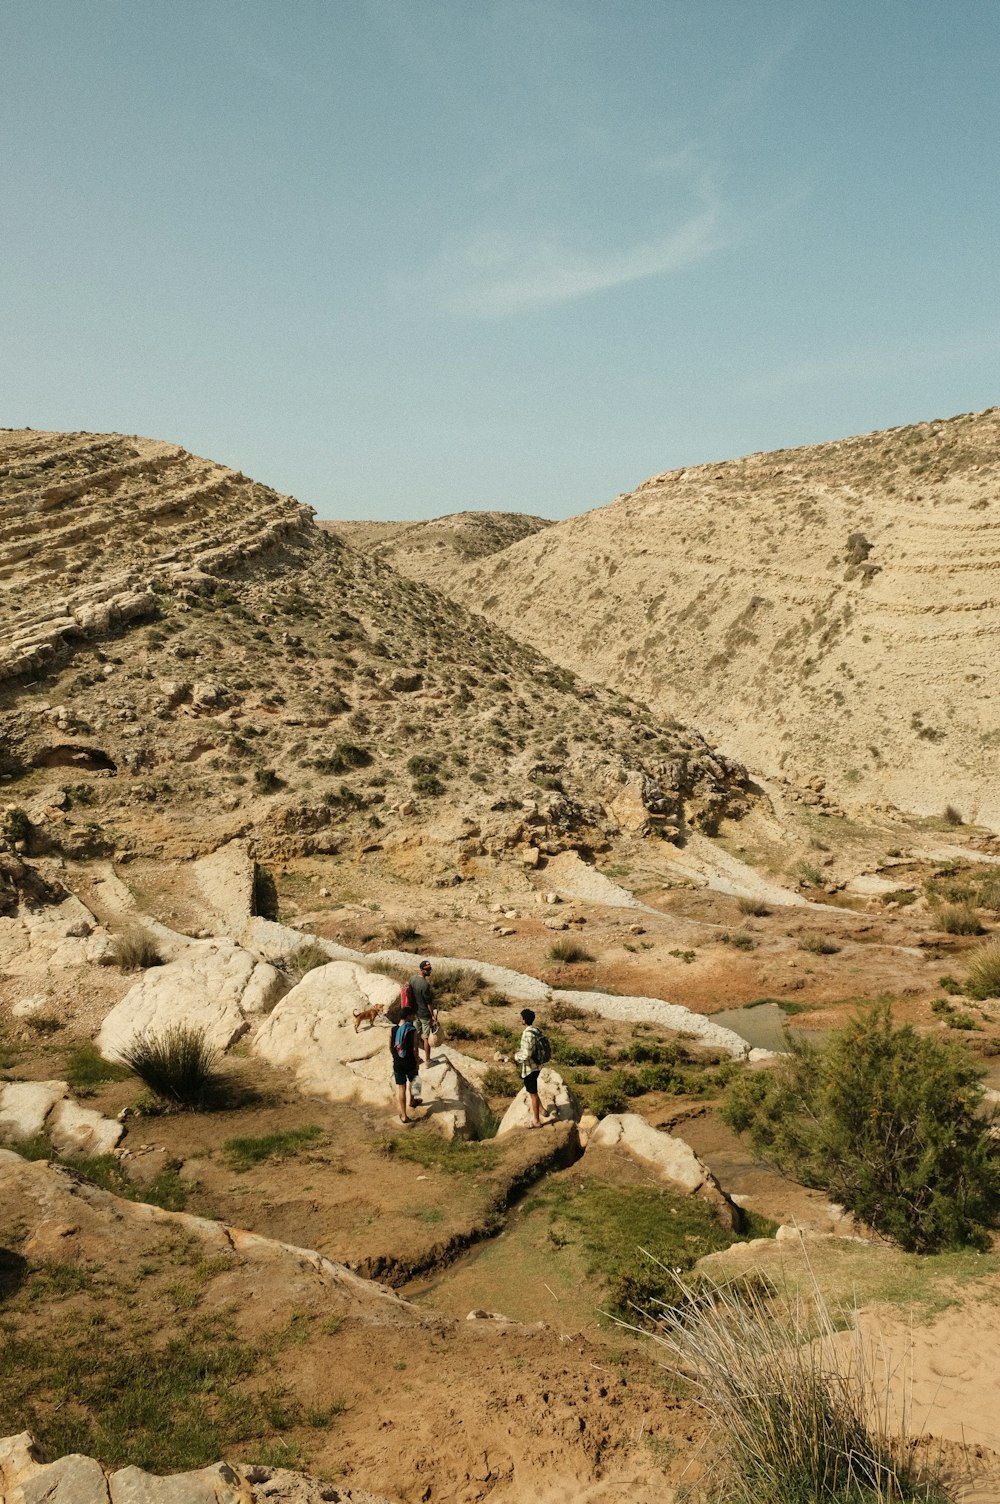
{"x":536,"y":1107}
{"x":401,"y":1094}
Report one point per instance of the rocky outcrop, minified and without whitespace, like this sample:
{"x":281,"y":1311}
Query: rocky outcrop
{"x":31,"y":1108}
{"x":25,"y":1478}
{"x":312,"y":1031}
{"x":674,"y":1161}
{"x":214,"y":986}
{"x":64,"y":495}
{"x":558,"y":1103}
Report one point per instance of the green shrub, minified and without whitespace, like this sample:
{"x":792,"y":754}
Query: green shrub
{"x":344,"y":757}
{"x":608,"y":1097}
{"x":135,"y":949}
{"x":983,"y":979}
{"x":959,"y":919}
{"x":17,"y":826}
{"x":569,"y":951}
{"x":266,"y":781}
{"x":496,"y":1000}
{"x":818,"y":945}
{"x":500,"y":1083}
{"x":419,"y":765}
{"x":179,"y":1064}
{"x":741,"y":939}
{"x":305,"y":958}
{"x":429,"y":784}
{"x":890,"y":1123}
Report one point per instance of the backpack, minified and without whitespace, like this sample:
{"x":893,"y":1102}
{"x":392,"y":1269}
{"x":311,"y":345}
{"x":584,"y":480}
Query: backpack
{"x":400,"y":1039}
{"x":406,"y":996}
{"x":541,"y":1050}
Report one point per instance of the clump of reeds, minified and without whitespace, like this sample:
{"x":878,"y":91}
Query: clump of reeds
{"x":801,"y":1414}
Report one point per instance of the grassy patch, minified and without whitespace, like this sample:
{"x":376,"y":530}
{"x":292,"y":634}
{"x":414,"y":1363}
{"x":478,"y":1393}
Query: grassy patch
{"x":614,"y":1224}
{"x":432,"y":1151}
{"x":86,"y":1068}
{"x":135,"y":950}
{"x":569,"y":952}
{"x":87,"y":1384}
{"x":245,"y":1153}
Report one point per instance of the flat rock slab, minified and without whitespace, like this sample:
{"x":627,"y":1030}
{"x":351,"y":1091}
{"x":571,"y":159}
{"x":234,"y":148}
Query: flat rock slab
{"x":225,"y":880}
{"x":76,"y":1479}
{"x":214,"y":985}
{"x":24,"y":1106}
{"x":28,"y":1108}
{"x":675,"y":1162}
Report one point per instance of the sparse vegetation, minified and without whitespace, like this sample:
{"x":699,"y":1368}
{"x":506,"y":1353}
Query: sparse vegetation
{"x":889,"y":1122}
{"x":817,"y":945}
{"x":798,"y":1418}
{"x":245,"y":1153}
{"x":86,"y":1069}
{"x":569,"y":952}
{"x":959,"y":919}
{"x":753,"y":906}
{"x":308,"y":956}
{"x":983,"y":979}
{"x":135,"y":949}
{"x":178,"y":1065}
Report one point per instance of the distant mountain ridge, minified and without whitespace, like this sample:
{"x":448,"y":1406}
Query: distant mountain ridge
{"x":831,"y":610}
{"x":439,"y":549}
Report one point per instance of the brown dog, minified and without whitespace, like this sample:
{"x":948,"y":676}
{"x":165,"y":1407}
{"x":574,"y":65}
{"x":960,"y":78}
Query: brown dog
{"x":367,"y":1015}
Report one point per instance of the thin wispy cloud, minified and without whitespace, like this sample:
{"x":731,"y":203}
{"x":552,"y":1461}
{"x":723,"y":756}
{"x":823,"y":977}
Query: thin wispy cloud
{"x":490,"y":276}
{"x":873,"y":361}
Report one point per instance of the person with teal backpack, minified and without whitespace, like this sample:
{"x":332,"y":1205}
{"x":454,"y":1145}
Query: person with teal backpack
{"x":403,"y":1046}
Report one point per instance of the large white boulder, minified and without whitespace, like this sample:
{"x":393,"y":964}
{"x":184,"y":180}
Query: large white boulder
{"x":556,"y":1098}
{"x":80,"y":1132}
{"x":453,"y":1100}
{"x":312,"y":1032}
{"x":675,"y":1162}
{"x":214,"y":985}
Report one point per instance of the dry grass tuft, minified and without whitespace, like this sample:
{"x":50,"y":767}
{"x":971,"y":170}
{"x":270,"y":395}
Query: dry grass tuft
{"x":801,"y":1415}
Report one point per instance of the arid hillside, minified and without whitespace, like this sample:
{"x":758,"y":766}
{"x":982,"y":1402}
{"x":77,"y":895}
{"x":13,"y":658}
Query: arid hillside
{"x":440,"y":549}
{"x":187,"y":657}
{"x":830,"y":611}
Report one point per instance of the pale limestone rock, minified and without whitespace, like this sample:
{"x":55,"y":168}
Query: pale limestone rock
{"x":72,"y":1480}
{"x":558,"y":1103}
{"x":215,"y":985}
{"x":26,"y":1007}
{"x":24,"y":1107}
{"x":454,"y":1104}
{"x":80,"y":1132}
{"x":675,"y":1161}
{"x":225,"y":879}
{"x":312,"y":1030}
{"x":218,"y":1484}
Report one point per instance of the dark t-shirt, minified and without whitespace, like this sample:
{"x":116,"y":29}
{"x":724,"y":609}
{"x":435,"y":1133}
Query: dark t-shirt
{"x":423,"y":997}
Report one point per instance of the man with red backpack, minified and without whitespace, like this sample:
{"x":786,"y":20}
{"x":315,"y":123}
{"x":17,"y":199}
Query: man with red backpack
{"x":422,"y":1000}
{"x":403,"y":1046}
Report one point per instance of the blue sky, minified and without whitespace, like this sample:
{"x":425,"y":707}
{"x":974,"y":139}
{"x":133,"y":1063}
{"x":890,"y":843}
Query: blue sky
{"x":404,"y":257}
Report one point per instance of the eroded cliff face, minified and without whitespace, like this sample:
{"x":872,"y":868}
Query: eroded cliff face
{"x":832,"y":610}
{"x":187,"y":657}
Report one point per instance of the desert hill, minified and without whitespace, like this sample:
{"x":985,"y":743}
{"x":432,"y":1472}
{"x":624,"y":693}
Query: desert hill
{"x":188,"y":657}
{"x":439,"y":549}
{"x":831,"y":611}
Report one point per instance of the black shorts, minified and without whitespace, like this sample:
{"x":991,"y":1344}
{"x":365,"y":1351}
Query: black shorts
{"x":402,"y":1072}
{"x":531,"y":1083}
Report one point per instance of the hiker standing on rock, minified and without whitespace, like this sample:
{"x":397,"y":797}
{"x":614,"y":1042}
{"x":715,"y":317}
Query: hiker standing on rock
{"x":531,"y":1056}
{"x":423,"y":1001}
